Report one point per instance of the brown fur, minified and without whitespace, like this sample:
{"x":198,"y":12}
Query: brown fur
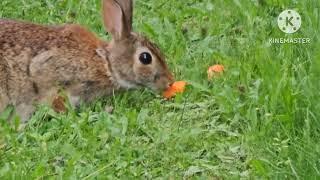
{"x":58,"y":104}
{"x":37,"y":61}
{"x":34,"y":67}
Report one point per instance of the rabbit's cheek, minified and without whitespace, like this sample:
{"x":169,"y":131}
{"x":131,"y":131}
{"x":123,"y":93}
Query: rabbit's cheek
{"x":145,"y":74}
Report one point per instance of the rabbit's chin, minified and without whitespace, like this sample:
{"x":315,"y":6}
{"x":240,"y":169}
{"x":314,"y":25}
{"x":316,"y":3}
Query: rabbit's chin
{"x":154,"y":87}
{"x":127,"y":84}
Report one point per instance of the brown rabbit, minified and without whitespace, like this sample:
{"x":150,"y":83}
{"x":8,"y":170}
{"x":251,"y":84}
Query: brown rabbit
{"x":36,"y":61}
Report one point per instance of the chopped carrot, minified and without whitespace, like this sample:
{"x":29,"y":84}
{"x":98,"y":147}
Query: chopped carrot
{"x":215,"y":70}
{"x":175,"y":88}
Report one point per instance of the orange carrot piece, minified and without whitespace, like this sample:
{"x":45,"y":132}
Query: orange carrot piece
{"x":175,"y":88}
{"x":215,"y":70}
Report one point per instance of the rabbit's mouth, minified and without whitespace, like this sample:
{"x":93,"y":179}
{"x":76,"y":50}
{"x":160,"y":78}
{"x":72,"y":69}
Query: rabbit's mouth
{"x":159,"y":85}
{"x":163,"y":81}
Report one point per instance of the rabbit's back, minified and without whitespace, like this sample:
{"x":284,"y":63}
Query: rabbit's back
{"x":27,"y":35}
{"x":35,"y":59}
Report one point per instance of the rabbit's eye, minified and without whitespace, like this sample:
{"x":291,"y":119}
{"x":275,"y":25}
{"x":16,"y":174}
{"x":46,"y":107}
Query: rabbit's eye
{"x":145,"y":58}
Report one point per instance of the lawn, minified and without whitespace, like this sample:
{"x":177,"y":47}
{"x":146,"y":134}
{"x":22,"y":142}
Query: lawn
{"x":259,"y":120}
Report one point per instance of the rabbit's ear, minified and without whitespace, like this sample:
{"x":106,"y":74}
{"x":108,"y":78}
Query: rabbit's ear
{"x":127,"y":8}
{"x":117,"y":16}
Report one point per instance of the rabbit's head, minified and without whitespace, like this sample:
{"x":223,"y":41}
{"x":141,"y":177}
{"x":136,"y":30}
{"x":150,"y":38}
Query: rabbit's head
{"x":134,"y":60}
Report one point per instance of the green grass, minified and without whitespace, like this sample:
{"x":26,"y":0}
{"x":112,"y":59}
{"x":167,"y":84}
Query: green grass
{"x":259,"y":120}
